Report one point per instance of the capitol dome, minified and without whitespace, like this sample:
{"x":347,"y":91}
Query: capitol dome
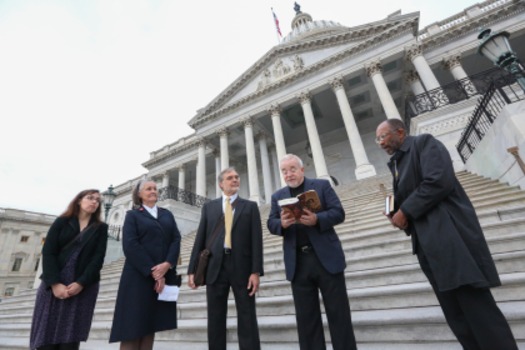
{"x":304,"y":27}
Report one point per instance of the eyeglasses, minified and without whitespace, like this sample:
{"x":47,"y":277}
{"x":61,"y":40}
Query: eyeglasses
{"x":383,"y":136}
{"x":90,"y":197}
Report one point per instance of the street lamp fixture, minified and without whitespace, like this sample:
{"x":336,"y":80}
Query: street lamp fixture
{"x":109,"y":197}
{"x":496,"y":47}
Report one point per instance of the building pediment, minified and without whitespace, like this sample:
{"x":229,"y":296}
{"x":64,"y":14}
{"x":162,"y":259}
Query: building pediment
{"x":303,"y":55}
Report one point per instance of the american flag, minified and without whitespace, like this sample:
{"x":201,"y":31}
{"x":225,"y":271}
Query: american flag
{"x":276,"y":23}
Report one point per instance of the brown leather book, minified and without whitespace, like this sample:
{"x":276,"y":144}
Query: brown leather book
{"x":308,"y":199}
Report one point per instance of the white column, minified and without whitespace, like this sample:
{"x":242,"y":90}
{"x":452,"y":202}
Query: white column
{"x":200,"y":188}
{"x":182,"y":181}
{"x":415,"y":55}
{"x":422,"y":102}
{"x":374,"y":71}
{"x":265,"y":162}
{"x":251,"y":160}
{"x":313,"y":136}
{"x":412,"y":78}
{"x":182,"y":178}
{"x":276,"y":169}
{"x":453,"y":64}
{"x":165,"y":179}
{"x":225,"y":157}
{"x":218,"y":170}
{"x":278,"y":136}
{"x":363,"y":168}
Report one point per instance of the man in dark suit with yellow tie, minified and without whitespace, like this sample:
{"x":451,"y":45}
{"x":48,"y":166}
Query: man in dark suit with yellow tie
{"x":236,"y":261}
{"x":314,"y":259}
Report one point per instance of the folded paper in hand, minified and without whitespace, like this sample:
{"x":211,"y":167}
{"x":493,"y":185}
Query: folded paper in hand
{"x":169,"y":293}
{"x":308,"y":199}
{"x":389,"y":204}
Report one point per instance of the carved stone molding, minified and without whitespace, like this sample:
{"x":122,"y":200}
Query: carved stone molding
{"x":247,"y":122}
{"x":223,"y":131}
{"x":201,"y":142}
{"x":452,"y":61}
{"x":373,"y":68}
{"x":298,"y":63}
{"x":337,"y":83}
{"x":275,"y":110}
{"x":412,"y":76}
{"x":304,"y":97}
{"x":455,"y":122}
{"x":413,"y":51}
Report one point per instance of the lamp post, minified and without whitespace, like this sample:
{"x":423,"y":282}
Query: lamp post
{"x":496,"y":47}
{"x":109,"y":197}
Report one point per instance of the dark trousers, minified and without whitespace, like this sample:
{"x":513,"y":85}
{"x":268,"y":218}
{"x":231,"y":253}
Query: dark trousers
{"x":217,"y":299}
{"x":310,"y":278}
{"x":68,"y":346}
{"x":472,"y":315}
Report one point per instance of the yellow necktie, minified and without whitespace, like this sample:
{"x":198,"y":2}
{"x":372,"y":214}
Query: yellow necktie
{"x":228,"y":220}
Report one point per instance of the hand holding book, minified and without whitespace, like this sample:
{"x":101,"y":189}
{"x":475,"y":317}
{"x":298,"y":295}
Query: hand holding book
{"x":296,"y":205}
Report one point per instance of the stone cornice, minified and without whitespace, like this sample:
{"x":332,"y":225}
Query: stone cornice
{"x":372,"y":39}
{"x":173,"y":152}
{"x":472,"y":25}
{"x":26,"y":217}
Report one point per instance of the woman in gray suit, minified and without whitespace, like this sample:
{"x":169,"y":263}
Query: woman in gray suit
{"x":151,"y":243}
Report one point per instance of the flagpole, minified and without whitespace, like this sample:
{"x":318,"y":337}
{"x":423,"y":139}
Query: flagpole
{"x":277,"y":29}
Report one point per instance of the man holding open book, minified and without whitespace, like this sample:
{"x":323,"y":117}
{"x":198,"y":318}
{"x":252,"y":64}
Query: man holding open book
{"x":313,"y":256}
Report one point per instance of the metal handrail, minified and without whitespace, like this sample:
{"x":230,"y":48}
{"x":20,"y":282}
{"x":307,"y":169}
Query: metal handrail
{"x":456,"y":91}
{"x":484,"y":115}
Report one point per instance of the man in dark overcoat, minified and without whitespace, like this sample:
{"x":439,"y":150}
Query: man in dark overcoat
{"x":314,"y":259}
{"x":235,"y":264}
{"x":434,"y":210}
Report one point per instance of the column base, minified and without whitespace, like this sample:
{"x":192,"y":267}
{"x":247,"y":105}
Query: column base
{"x":364,"y":171}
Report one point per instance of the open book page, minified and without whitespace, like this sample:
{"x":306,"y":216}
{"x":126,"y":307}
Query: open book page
{"x":309,"y":200}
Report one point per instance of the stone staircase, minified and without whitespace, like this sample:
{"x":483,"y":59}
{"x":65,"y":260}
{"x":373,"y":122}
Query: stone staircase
{"x":393,"y":306}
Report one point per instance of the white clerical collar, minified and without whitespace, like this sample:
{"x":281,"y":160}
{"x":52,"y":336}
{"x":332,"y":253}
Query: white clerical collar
{"x":153,"y":211}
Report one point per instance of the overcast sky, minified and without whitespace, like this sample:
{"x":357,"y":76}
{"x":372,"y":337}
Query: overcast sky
{"x":89,"y":88}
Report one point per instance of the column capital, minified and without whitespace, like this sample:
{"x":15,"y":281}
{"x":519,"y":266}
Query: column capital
{"x":247,"y":122}
{"x":451,"y":61}
{"x":223,"y":131}
{"x":413,"y":51}
{"x":373,"y":68}
{"x":337,"y":83}
{"x":304,"y":97}
{"x":261,"y":134}
{"x":412,"y":76}
{"x":180,"y":167}
{"x":275,"y":110}
{"x":201,"y":142}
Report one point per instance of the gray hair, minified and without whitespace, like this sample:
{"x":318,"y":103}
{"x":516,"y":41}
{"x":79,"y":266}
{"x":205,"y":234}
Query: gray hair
{"x":291,"y":156}
{"x":224,"y":171}
{"x":139,"y":187}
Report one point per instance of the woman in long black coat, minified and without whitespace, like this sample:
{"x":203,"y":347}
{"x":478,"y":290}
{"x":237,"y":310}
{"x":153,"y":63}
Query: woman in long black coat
{"x":72,"y":257}
{"x":151,"y":242}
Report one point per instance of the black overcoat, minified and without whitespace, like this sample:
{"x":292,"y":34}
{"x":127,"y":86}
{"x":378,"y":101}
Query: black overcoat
{"x":441,"y":216}
{"x":57,"y":250}
{"x":146,"y":242}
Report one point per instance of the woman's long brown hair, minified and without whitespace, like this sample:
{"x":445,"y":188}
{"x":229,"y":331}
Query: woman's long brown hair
{"x":73,"y":209}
